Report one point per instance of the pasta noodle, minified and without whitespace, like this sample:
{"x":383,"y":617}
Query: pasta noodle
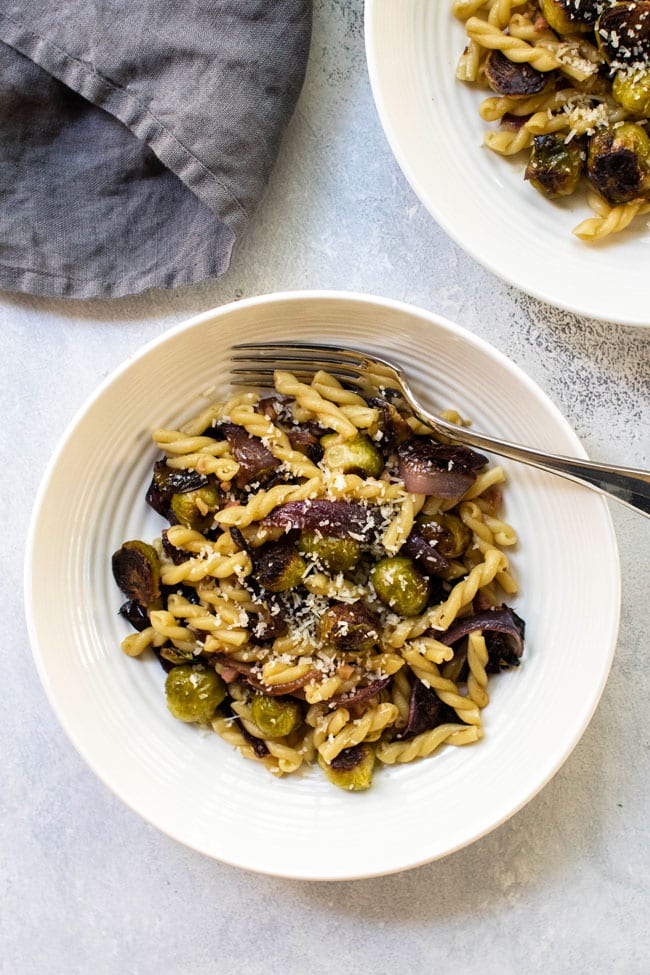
{"x":579,"y":105}
{"x":290,"y":607}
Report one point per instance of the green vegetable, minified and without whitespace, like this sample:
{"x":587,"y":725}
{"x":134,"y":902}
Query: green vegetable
{"x":554,"y":168}
{"x":569,"y":16}
{"x":632,"y":91}
{"x":618,"y":163}
{"x":136,"y":570}
{"x":195,"y":509}
{"x":275,"y":717}
{"x":194,"y":693}
{"x":448,"y":533}
{"x":400,"y":585}
{"x":356,"y":456}
{"x":349,"y":627}
{"x":335,"y":554}
{"x":351,"y":769}
{"x":278,"y":566}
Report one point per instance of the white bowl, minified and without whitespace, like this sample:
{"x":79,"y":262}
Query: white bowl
{"x":480,"y":198}
{"x":191,"y":784}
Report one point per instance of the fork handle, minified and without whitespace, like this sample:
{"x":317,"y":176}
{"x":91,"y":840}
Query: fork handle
{"x":625,"y":484}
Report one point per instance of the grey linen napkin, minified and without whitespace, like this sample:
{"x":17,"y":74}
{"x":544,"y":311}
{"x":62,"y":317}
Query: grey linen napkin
{"x":137,"y":138}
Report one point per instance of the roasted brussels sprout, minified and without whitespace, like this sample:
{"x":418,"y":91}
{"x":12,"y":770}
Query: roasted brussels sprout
{"x":447,"y":532}
{"x":357,"y":456}
{"x":349,"y":626}
{"x":618,"y":163}
{"x":167,"y":481}
{"x":275,"y":716}
{"x":623,"y":33}
{"x":194,"y":692}
{"x":509,"y":78}
{"x":335,"y":554}
{"x":278,"y":566}
{"x":195,"y":509}
{"x":351,"y":769}
{"x":136,"y":570}
{"x":570,"y":16}
{"x":554,"y":167}
{"x":632,"y":90}
{"x":400,"y":585}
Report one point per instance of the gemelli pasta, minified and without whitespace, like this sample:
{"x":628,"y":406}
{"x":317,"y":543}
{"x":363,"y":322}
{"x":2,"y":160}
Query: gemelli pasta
{"x":570,"y":83}
{"x":330,"y":585}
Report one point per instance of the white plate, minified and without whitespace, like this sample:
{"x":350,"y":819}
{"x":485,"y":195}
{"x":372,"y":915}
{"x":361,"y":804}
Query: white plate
{"x":192,"y":785}
{"x":478,"y":197}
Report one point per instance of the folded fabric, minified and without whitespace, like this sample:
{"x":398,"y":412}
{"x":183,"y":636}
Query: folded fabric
{"x":136,"y":139}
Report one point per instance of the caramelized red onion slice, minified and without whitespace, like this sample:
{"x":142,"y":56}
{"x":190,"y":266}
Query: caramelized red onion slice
{"x":273,"y":690}
{"x":360,"y":694}
{"x":504,"y":623}
{"x":250,"y":453}
{"x":429,"y":559}
{"x":339,"y":519}
{"x":426,"y":711}
{"x":442,"y":470}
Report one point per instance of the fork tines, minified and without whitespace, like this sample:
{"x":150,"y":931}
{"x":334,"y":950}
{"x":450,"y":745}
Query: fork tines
{"x":255,"y":362}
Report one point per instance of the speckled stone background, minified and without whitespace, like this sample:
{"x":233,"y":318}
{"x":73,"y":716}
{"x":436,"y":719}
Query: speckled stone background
{"x":563,"y":886}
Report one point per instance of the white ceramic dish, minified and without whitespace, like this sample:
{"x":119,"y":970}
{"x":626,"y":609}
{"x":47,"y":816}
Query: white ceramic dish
{"x":479,"y":198}
{"x":191,"y":784}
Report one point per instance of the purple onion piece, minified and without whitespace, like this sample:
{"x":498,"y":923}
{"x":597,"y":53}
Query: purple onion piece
{"x":442,"y":470}
{"x":304,"y":435}
{"x":275,"y":690}
{"x":504,"y":635}
{"x":276,"y":406}
{"x":426,"y":711}
{"x":361,"y":694}
{"x":253,"y":457}
{"x":339,"y":519}
{"x":429,"y":559}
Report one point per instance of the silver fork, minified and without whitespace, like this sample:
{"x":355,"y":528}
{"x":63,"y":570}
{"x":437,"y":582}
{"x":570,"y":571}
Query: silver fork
{"x":254,"y":365}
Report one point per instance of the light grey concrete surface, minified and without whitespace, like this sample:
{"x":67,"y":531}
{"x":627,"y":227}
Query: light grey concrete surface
{"x":564,"y":885}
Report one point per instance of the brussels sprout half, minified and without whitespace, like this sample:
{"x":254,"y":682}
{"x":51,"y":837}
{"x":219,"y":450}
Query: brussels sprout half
{"x":618,"y":163}
{"x":275,"y":717}
{"x":194,"y":692}
{"x":400,"y":585}
{"x":554,"y":167}
{"x":351,"y":769}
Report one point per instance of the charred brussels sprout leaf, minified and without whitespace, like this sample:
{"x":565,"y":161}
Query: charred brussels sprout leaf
{"x":194,"y":693}
{"x":447,"y":532}
{"x":618,"y":163}
{"x":554,"y":168}
{"x":195,"y":509}
{"x":335,"y":554}
{"x":351,"y":769}
{"x":278,"y":566}
{"x":400,"y":585}
{"x":275,"y":717}
{"x":136,"y":570}
{"x":356,"y":456}
{"x":349,"y":627}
